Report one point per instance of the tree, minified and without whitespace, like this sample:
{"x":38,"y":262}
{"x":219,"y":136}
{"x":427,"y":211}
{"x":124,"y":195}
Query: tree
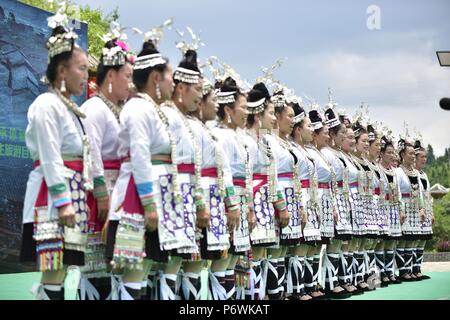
{"x":441,"y":229}
{"x":430,"y":155}
{"x":98,"y":22}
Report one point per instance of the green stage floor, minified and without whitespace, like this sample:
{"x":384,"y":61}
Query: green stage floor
{"x":17,"y":287}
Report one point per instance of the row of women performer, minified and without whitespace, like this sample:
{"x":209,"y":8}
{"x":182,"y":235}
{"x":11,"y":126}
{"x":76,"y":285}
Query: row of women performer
{"x":142,"y":195}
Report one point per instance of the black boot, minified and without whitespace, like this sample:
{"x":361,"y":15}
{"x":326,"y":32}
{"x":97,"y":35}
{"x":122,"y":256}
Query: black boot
{"x":379,"y":260}
{"x":230,"y":284}
{"x":216,"y":286}
{"x":272,"y":280}
{"x":342,"y":268}
{"x":130,"y":291}
{"x":151,"y":285}
{"x":256,"y":277}
{"x":389,"y":260}
{"x":309,"y":275}
{"x":168,"y":287}
{"x":419,"y":260}
{"x":331,"y":278}
{"x":292,"y":278}
{"x":49,"y":292}
{"x":281,"y":269}
{"x":359,"y":258}
{"x":190,"y":286}
{"x":409,"y":262}
{"x":88,"y":288}
{"x":316,"y":262}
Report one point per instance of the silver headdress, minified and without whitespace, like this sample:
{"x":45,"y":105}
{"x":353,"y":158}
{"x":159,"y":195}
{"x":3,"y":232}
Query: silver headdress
{"x":222,"y":71}
{"x":404,"y":140}
{"x":183,"y":74}
{"x":117,"y":55}
{"x":63,"y":42}
{"x":359,"y":119}
{"x":331,"y":118}
{"x":256,"y":107}
{"x":267,"y":78}
{"x":298,"y":118}
{"x":386,"y":136}
{"x":314,"y":114}
{"x":418,"y":141}
{"x":155,"y":35}
{"x":267,"y":75}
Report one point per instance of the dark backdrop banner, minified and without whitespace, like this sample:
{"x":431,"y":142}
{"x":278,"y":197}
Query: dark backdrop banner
{"x":23,"y":62}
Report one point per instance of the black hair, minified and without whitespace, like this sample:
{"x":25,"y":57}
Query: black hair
{"x":279,"y":95}
{"x":52,"y":68}
{"x":297,"y":111}
{"x":357,"y":126}
{"x":385,"y":143}
{"x":140,"y":76}
{"x":189,"y":62}
{"x":102,"y":70}
{"x":316,"y":118}
{"x":228,"y":85}
{"x":371,"y":130}
{"x":258,"y":92}
{"x":330,"y":116}
{"x":418,"y":147}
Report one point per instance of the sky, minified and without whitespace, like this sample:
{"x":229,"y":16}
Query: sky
{"x":393,"y":67}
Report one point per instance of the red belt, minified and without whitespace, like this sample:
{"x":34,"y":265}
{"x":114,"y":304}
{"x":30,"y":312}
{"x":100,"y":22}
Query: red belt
{"x":340,"y":184}
{"x":406,"y":195}
{"x":306,"y":184}
{"x":324,"y":186}
{"x":209,"y":172}
{"x":258,"y":176}
{"x":111,"y":164}
{"x":186,"y":168}
{"x":377,"y":191}
{"x":289,"y":175}
{"x":239,"y":182}
{"x":354,"y":184}
{"x":76,"y":165}
{"x":157,"y":157}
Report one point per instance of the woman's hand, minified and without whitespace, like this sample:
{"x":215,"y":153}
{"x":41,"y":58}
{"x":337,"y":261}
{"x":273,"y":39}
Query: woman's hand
{"x":103,"y":205}
{"x":335,"y":215}
{"x":67,"y":216}
{"x":402,"y":217}
{"x":422,"y":215}
{"x":233,"y":219}
{"x":283,"y":218}
{"x":151,"y":217}
{"x":303,"y":217}
{"x":203,"y":217}
{"x":251,"y":218}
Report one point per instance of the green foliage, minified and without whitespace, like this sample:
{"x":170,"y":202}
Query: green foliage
{"x":441,"y":228}
{"x":430,"y":153}
{"x":438,"y":170}
{"x":98,"y":22}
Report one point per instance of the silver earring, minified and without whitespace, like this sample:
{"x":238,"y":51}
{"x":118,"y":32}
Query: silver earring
{"x":259,"y":124}
{"x":180,"y":99}
{"x":110,"y":88}
{"x":229,"y":119}
{"x":158,"y":92}
{"x":63,"y":86}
